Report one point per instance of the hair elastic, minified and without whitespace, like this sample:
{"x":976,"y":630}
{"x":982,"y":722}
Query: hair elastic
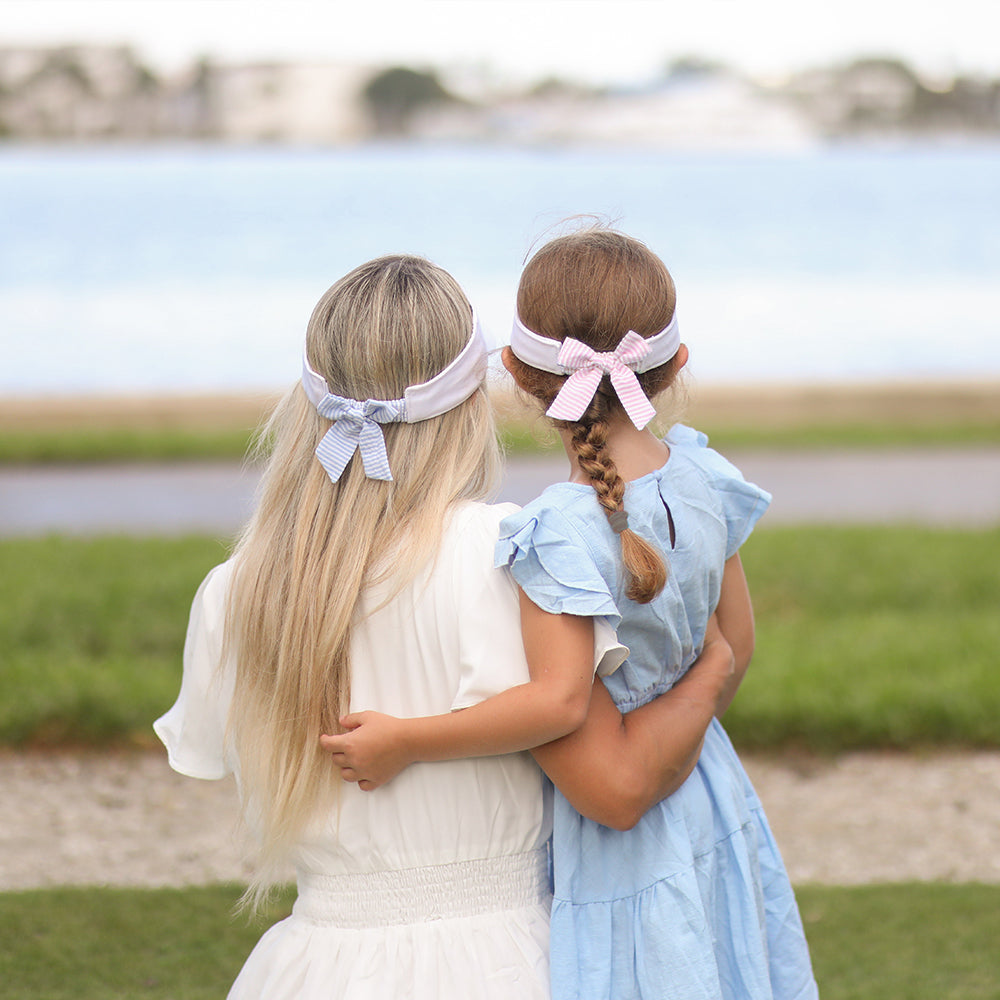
{"x":618,"y":519}
{"x":356,"y":422}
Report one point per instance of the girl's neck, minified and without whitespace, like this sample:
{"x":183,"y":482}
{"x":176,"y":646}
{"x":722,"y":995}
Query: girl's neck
{"x":635,"y":453}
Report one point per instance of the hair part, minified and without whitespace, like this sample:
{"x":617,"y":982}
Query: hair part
{"x":595,"y":285}
{"x":312,"y":546}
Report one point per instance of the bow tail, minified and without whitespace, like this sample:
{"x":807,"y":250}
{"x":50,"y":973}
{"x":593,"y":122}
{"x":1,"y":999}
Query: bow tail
{"x":635,"y":402}
{"x":373,"y":453}
{"x":336,"y":449}
{"x":575,"y":395}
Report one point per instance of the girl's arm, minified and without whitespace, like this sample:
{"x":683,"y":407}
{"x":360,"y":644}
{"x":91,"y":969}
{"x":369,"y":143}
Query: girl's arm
{"x":735,"y":616}
{"x":560,"y":654}
{"x":615,"y":767}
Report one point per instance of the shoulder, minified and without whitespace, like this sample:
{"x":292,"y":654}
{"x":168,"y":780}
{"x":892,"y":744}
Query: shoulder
{"x":470,"y":535}
{"x":218,"y":579}
{"x":554,"y":554}
{"x":210,"y":599}
{"x":700,"y":471}
{"x":563,"y":507}
{"x":471,"y":523}
{"x":691,"y":448}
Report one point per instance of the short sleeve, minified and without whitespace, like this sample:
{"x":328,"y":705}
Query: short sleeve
{"x":486,"y":605}
{"x":743,"y":503}
{"x":553,"y":565}
{"x":194,"y":729}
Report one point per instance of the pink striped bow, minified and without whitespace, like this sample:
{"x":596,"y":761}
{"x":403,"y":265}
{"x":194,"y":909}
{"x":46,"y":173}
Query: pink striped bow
{"x":588,"y":367}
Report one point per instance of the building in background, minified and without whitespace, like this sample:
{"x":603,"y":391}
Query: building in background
{"x":93,"y":93}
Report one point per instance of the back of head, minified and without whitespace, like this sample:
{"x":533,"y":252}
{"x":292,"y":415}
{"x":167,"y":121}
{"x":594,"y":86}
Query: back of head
{"x":392,"y":322}
{"x":594,"y":286}
{"x":313,"y":546}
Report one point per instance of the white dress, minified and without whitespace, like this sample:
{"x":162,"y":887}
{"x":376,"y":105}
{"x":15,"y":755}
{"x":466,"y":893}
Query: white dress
{"x":437,"y":885}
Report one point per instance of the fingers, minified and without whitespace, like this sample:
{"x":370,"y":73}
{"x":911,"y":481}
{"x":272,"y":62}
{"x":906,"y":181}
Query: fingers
{"x":352,"y":720}
{"x":365,"y":784}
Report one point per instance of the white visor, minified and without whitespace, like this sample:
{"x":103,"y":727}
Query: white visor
{"x":543,"y":352}
{"x":428,"y":399}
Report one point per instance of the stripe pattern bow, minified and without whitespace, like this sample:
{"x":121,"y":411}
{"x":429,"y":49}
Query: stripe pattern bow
{"x":588,"y":367}
{"x":356,"y":427}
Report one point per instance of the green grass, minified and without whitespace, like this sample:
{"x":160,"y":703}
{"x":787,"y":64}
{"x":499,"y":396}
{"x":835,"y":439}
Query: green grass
{"x":120,"y":444}
{"x":866,"y":638}
{"x":91,"y":632}
{"x":157,"y":444}
{"x":859,"y":435}
{"x":920,"y":941}
{"x":890,"y":942}
{"x":872,"y":637}
{"x":105,"y":944}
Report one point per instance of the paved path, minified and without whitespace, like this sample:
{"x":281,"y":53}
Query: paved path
{"x":928,"y":486}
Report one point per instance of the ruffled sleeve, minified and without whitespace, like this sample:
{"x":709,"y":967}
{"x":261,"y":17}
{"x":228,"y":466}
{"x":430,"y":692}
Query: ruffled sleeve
{"x":194,"y":729}
{"x":486,"y":603}
{"x":553,"y":565}
{"x":743,"y":503}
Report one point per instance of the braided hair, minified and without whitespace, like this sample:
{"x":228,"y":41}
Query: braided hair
{"x":595,"y":285}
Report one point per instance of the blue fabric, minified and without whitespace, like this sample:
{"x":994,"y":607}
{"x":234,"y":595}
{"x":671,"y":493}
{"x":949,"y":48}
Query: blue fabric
{"x":694,"y":902}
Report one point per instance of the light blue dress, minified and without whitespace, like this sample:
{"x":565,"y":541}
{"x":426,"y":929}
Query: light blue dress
{"x":693,"y":903}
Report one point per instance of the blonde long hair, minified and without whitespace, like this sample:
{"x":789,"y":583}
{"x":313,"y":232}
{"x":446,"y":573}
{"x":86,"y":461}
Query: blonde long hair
{"x":312,"y":546}
{"x":595,"y":285}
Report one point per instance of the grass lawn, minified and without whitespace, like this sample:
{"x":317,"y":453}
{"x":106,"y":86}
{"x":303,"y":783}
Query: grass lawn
{"x":872,"y":637}
{"x":92,"y":632}
{"x":890,"y":942}
{"x":867,"y":638}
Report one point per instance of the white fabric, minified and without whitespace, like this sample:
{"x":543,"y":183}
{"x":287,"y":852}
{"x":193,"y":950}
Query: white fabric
{"x":543,"y":352}
{"x":356,"y":422}
{"x":448,"y":640}
{"x":451,"y":386}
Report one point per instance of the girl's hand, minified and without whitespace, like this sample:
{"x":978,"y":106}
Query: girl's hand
{"x":372,"y":751}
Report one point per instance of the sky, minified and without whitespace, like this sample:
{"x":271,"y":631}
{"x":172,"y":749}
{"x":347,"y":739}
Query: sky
{"x":594,"y":41}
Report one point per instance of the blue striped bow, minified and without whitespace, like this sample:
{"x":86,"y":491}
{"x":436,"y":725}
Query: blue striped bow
{"x":356,"y":426}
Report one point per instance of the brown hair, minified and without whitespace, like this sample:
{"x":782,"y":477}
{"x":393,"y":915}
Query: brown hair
{"x":595,"y":285}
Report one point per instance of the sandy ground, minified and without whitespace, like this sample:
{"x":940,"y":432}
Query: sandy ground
{"x":127,"y":819}
{"x":762,"y":405}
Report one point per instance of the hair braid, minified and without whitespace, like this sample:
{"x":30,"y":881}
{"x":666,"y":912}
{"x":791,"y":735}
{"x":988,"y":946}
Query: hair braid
{"x":595,"y":285}
{"x":645,"y":568}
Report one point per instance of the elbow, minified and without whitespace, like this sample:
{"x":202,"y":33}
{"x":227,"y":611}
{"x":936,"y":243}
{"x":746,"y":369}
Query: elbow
{"x":619,"y":815}
{"x":742,"y":657}
{"x":623,"y":819}
{"x":572,"y":708}
{"x":622,"y":805}
{"x":742,"y":644}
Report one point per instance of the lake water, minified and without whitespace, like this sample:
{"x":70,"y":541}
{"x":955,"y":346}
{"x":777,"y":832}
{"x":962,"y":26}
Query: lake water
{"x":194,"y":269}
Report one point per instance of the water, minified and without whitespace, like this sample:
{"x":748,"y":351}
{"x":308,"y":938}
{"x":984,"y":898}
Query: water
{"x":194,"y":269}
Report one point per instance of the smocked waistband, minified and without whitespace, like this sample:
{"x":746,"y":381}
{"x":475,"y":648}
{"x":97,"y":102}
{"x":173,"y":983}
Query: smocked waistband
{"x":433,"y":892}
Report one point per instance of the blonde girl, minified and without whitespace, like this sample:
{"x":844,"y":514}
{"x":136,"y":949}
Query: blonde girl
{"x":366,"y":577}
{"x":688,"y":898}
